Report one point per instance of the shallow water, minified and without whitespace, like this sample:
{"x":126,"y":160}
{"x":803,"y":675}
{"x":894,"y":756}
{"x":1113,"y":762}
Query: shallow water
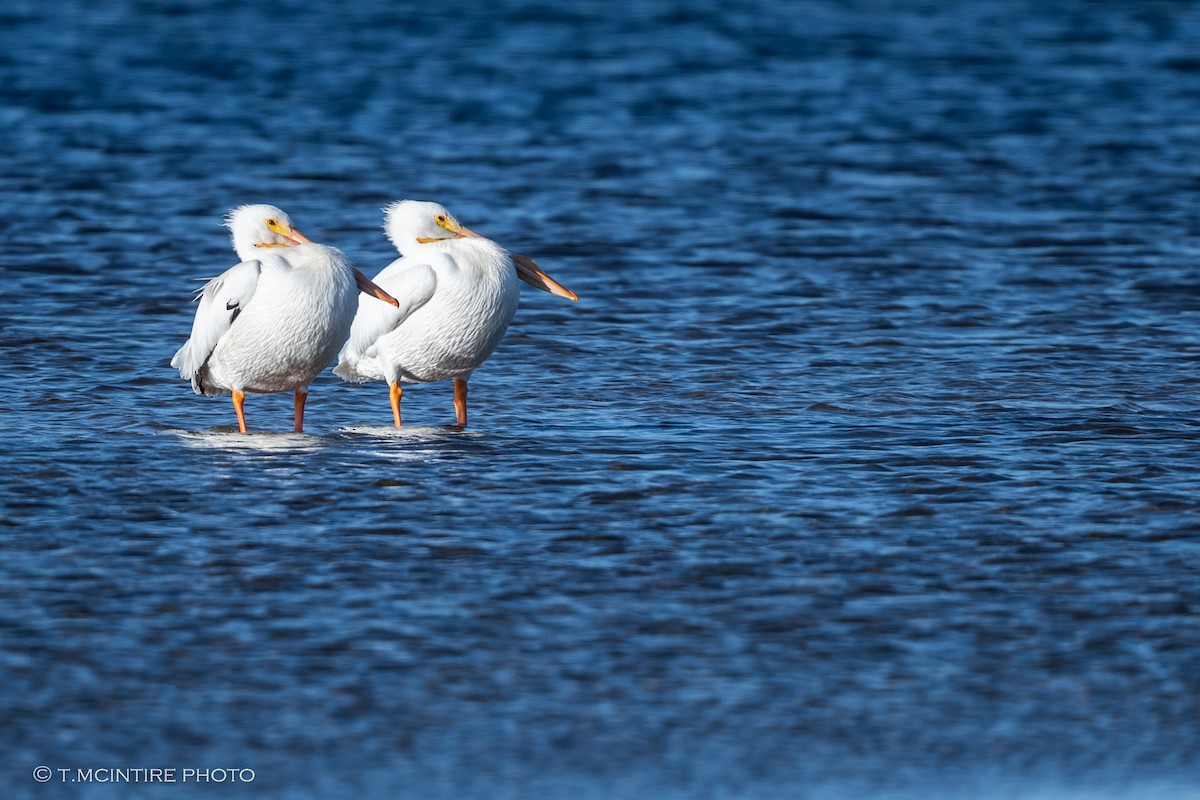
{"x":866,"y":465}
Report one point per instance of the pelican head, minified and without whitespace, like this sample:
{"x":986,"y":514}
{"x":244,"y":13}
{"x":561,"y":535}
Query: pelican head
{"x":261,"y":225}
{"x":411,"y":224}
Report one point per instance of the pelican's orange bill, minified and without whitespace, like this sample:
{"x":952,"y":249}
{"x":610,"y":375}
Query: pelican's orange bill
{"x":531,"y":273}
{"x":367,"y":286}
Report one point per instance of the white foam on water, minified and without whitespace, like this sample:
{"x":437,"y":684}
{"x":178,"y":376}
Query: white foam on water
{"x":224,"y":438}
{"x":408,"y":443}
{"x":407,"y":433}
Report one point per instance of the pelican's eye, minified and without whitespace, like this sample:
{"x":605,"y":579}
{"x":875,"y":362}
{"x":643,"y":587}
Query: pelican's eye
{"x":440,"y":218}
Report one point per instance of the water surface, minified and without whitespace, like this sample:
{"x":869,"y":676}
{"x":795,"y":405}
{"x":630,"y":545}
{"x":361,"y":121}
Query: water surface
{"x":866,"y":465}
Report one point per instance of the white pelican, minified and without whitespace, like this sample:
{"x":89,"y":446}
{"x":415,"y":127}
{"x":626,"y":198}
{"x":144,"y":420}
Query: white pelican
{"x":274,"y":321}
{"x":457,"y":290}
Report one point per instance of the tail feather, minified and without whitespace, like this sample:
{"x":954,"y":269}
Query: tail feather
{"x":359,"y":370}
{"x":181,"y":360}
{"x":185,"y":363}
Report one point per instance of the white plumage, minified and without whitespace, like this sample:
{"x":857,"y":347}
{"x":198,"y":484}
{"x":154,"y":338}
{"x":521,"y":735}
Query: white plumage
{"x":273,"y":322}
{"x":457,"y":293}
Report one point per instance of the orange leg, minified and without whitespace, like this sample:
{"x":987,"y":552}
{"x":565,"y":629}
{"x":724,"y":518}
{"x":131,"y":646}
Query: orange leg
{"x":238,"y":399}
{"x":395,"y":394}
{"x":460,"y":401}
{"x":298,"y":409}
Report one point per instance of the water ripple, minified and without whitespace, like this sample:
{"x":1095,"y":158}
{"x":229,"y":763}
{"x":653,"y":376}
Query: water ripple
{"x":864,"y":467}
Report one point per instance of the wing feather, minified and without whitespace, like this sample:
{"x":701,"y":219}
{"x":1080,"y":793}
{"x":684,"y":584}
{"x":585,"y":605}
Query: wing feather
{"x":221,"y":301}
{"x":412,"y":283}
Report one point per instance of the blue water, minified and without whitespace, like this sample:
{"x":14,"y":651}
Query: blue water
{"x":867,"y":466}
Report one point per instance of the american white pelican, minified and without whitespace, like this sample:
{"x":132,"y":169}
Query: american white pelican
{"x":274,"y":321}
{"x":457,"y":290}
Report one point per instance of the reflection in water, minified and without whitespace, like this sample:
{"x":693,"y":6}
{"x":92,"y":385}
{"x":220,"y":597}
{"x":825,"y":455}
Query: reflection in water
{"x":230,"y":438}
{"x":409,"y":433}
